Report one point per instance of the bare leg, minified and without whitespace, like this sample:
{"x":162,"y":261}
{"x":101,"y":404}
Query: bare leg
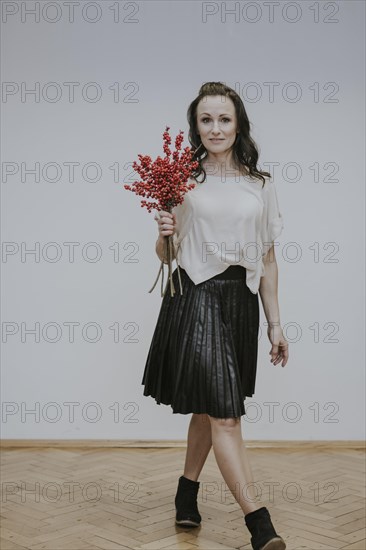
{"x":199,"y":444}
{"x":232,"y":460}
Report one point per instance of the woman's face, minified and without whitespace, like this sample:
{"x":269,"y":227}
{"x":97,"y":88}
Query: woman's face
{"x":216,"y":120}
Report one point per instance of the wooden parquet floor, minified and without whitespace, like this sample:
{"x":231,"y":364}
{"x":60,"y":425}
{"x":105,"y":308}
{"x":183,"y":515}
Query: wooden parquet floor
{"x":119,"y":498}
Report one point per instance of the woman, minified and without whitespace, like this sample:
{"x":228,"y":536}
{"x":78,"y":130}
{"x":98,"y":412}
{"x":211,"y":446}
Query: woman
{"x":203,"y":354}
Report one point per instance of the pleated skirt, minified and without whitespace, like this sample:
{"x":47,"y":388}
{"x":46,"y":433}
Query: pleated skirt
{"x":203,"y":353}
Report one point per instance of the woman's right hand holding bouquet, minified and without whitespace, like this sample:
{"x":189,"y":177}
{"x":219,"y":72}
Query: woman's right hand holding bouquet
{"x":166,"y":226}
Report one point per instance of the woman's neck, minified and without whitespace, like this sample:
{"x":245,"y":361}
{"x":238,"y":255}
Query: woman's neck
{"x":221,"y":170}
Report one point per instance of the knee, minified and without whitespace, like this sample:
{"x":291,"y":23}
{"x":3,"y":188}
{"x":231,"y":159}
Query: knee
{"x":224,"y":423}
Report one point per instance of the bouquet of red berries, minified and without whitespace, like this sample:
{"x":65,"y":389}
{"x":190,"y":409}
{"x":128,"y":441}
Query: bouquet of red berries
{"x":165,"y":181}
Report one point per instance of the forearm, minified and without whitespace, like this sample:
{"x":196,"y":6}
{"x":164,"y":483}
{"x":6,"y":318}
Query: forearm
{"x":160,"y":249}
{"x":268,"y":290}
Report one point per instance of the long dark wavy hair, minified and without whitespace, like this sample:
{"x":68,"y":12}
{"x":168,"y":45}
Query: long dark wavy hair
{"x":245,"y":150}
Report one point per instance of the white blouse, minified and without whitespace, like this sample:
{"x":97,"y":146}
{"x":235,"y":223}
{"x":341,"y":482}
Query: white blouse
{"x":226,"y":221}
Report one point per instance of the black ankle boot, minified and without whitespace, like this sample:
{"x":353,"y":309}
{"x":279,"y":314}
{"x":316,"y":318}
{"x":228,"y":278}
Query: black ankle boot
{"x":187,"y":514}
{"x":264,"y":536}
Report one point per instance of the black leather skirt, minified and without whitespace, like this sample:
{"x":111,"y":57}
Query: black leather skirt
{"x":203,"y":353}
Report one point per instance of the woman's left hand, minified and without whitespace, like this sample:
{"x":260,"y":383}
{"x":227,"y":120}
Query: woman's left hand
{"x":279,"y":350}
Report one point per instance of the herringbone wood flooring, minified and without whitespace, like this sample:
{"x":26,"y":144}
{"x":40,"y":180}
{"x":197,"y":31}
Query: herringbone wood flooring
{"x":118,"y":498}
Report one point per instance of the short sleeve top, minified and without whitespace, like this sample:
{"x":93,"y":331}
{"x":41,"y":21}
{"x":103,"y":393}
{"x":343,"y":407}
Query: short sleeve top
{"x":223,"y":222}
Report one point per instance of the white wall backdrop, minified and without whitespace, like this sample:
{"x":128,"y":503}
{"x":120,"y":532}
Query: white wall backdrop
{"x":89,"y":85}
